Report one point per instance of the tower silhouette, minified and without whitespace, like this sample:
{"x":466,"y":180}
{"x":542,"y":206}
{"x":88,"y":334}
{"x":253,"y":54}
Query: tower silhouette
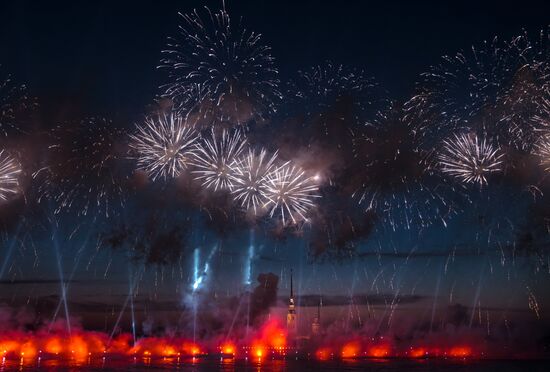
{"x":291,"y":315}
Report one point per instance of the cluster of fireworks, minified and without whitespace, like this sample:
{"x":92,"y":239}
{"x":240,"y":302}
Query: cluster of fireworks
{"x":470,"y":115}
{"x":168,"y":146}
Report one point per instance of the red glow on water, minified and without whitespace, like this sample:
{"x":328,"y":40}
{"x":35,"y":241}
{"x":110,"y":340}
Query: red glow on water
{"x":269,"y":341}
{"x":379,"y":351}
{"x":28,"y":350}
{"x":273,"y":334}
{"x":351,"y":350}
{"x":228,"y":348}
{"x":460,"y":352}
{"x":258,"y":350}
{"x":270,"y":336}
{"x":418,"y":352}
{"x":323,"y":353}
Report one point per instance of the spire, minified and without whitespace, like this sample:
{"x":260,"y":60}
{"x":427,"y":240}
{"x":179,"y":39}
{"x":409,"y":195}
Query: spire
{"x":291,"y":287}
{"x":319,"y":308}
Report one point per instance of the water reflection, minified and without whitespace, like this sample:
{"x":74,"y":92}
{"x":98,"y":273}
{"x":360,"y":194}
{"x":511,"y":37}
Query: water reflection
{"x":263,"y":365}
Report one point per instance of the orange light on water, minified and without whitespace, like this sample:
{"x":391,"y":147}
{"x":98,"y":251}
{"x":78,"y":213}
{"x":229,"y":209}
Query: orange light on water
{"x":28,"y":350}
{"x":78,"y":347}
{"x":169,"y":351}
{"x":228,"y":349}
{"x":417,"y":353}
{"x":460,"y":352}
{"x":7,"y":347}
{"x":380,"y":351}
{"x":350,"y":350}
{"x":258,"y":351}
{"x":53,"y":345}
{"x":323,"y":353}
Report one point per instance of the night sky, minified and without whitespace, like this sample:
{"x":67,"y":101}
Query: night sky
{"x":99,"y":59}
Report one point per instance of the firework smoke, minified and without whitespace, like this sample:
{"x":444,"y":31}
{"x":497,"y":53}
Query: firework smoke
{"x":393,"y":177}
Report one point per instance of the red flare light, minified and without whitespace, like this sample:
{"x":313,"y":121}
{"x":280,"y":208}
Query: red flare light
{"x":269,"y":341}
{"x":228,"y":349}
{"x":323,"y":353}
{"x":351,"y":350}
{"x":379,"y":351}
{"x":460,"y":352}
{"x":258,"y":351}
{"x":418,"y":352}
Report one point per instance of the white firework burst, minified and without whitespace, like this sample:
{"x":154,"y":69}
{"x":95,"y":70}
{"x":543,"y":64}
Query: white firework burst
{"x":470,"y":159}
{"x":10,"y":171}
{"x":220,"y":69}
{"x":542,"y":150}
{"x":165,"y":145}
{"x":216,"y":159}
{"x":290,"y":193}
{"x":250,"y":179}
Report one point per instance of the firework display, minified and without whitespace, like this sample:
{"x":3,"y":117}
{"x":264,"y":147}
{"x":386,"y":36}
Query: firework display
{"x":497,"y":87}
{"x":84,"y":170}
{"x":396,"y":179}
{"x":221,"y":71}
{"x":251,"y":178}
{"x":236,"y":184}
{"x":543,"y":151}
{"x":290,"y":193}
{"x":14,"y":103}
{"x":321,"y":87}
{"x":165,"y":145}
{"x":470,"y":158}
{"x":216,"y":159}
{"x":10,"y":170}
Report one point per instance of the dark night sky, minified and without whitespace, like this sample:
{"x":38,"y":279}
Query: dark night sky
{"x":99,"y":58}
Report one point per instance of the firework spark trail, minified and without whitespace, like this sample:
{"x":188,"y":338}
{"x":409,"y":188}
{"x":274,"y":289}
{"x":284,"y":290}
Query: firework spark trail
{"x":10,"y":171}
{"x":532,"y":302}
{"x":542,"y":150}
{"x":290,"y":193}
{"x":394,"y":166}
{"x":83,"y":170}
{"x":250,"y":179}
{"x":216,"y":159}
{"x":320,"y":87}
{"x":165,"y":145}
{"x":220,"y":70}
{"x":498,"y":86}
{"x":14,"y":100}
{"x":470,"y":159}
